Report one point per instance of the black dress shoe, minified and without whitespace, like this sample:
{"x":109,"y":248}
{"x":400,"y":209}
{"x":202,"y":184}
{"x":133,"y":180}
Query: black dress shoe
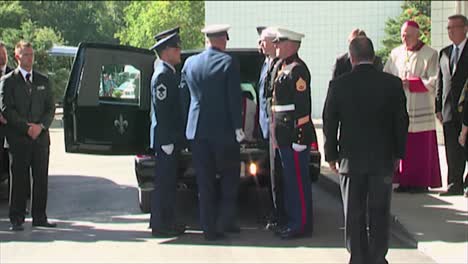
{"x":16,"y":227}
{"x":288,"y":233}
{"x":168,"y":232}
{"x":418,"y":190}
{"x":401,"y":189}
{"x":232,"y":229}
{"x":45,"y":224}
{"x":280,"y":229}
{"x":213,"y":236}
{"x":271,"y":225}
{"x":452,"y":191}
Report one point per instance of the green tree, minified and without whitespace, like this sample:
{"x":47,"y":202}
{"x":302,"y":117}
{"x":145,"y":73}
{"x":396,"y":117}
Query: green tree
{"x":143,"y":19}
{"x":419,"y":11}
{"x":12,"y":14}
{"x":79,"y":21}
{"x":45,"y":23}
{"x":42,"y":39}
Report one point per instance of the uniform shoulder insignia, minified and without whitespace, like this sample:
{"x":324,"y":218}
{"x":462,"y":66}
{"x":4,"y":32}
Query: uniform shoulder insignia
{"x":301,"y":85}
{"x":161,"y":92}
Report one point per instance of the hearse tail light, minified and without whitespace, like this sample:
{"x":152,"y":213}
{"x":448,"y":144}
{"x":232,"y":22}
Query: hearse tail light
{"x":253,"y":169}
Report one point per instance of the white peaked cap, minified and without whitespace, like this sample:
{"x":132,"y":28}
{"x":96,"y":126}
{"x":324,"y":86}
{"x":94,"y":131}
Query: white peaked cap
{"x":215,"y":29}
{"x":269,"y":32}
{"x":286,"y":34}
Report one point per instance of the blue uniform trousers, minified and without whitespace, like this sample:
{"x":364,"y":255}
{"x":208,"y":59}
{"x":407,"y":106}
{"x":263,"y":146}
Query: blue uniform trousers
{"x":165,"y":188}
{"x":297,"y":189}
{"x":218,"y":208}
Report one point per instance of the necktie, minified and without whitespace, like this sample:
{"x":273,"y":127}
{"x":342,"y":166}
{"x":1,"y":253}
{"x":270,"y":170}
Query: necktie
{"x":28,"y":81}
{"x":454,"y":59}
{"x":28,"y":77}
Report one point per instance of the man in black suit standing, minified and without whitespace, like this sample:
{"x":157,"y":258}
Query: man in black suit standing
{"x":27,"y":103}
{"x":453,"y":73}
{"x":368,"y":107}
{"x":4,"y":69}
{"x":343,"y":63}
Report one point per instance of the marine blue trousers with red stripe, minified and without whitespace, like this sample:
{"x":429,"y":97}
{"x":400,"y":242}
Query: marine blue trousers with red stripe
{"x":297,"y":189}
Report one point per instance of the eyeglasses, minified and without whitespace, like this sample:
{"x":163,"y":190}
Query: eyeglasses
{"x":456,"y":26}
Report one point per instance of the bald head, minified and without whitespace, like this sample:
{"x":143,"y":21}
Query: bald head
{"x":361,"y":49}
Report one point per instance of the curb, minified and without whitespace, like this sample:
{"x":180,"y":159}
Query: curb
{"x":330,"y":183}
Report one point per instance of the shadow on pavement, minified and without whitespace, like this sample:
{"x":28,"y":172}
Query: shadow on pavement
{"x":430,"y":218}
{"x":92,"y":209}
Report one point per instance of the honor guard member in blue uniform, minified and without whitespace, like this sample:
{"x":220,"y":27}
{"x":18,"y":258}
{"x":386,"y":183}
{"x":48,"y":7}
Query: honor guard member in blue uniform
{"x":214,"y":128}
{"x":293,"y":130}
{"x":166,"y":132}
{"x":266,"y":47}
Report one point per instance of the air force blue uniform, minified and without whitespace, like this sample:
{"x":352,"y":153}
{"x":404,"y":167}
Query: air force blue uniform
{"x":166,"y":128}
{"x":213,"y":79}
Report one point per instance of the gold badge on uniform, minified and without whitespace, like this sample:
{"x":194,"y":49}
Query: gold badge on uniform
{"x":301,"y":85}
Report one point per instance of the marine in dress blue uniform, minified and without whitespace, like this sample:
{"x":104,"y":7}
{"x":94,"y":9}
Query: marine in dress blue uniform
{"x":267,"y":35}
{"x":214,"y":128}
{"x":293,"y":130}
{"x":165,"y":135}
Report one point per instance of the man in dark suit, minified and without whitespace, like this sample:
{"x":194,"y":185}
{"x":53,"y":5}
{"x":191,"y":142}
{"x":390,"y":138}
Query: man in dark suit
{"x":368,"y":107}
{"x":27,"y":103}
{"x":4,"y":162}
{"x":265,"y":94}
{"x":166,"y":134}
{"x":453,"y":73}
{"x":343,"y":63}
{"x":215,"y":129}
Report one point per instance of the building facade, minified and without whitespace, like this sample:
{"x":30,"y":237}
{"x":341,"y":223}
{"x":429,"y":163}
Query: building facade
{"x":440,"y":11}
{"x":326,"y":25}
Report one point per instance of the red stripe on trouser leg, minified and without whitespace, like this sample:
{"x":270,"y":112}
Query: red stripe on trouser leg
{"x":301,"y":189}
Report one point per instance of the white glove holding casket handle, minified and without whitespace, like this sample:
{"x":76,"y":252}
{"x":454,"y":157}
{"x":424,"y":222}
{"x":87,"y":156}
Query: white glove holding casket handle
{"x":240,"y":135}
{"x":168,"y":149}
{"x":298,"y":148}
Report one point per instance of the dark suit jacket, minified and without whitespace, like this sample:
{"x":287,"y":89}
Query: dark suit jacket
{"x":368,"y":107}
{"x":2,"y":126}
{"x":343,"y":65}
{"x":22,"y":103}
{"x":457,"y":81}
{"x":213,"y":78}
{"x":465,"y":122}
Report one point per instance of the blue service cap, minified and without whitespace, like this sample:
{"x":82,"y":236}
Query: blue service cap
{"x":172,"y":41}
{"x":166,"y":33}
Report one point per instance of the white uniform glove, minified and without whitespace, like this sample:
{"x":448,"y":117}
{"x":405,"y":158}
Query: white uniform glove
{"x":298,"y":148}
{"x":240,"y":135}
{"x":168,"y":149}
